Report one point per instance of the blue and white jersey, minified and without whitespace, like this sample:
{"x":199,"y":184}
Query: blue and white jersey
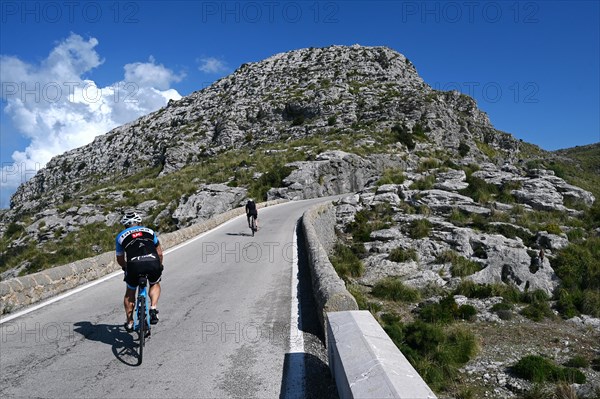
{"x":136,"y":241}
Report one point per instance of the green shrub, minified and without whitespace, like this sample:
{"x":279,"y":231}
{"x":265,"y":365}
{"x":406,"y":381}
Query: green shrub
{"x":436,"y":352}
{"x":505,"y":195}
{"x":359,"y":249}
{"x":393,"y":289}
{"x":331,"y":120}
{"x":426,"y":183}
{"x":360,"y":227}
{"x":577,"y":361}
{"x":540,"y":391}
{"x":461,"y":266}
{"x":419,"y":228}
{"x":463,"y":149}
{"x":419,"y":131}
{"x":558,"y":169}
{"x":402,"y":135}
{"x":391,"y":176}
{"x":345,"y":262}
{"x":566,"y":303}
{"x":424,"y":337}
{"x":537,"y":311}
{"x":479,"y":190}
{"x":504,"y":314}
{"x":470,"y":169}
{"x":473,"y":290}
{"x":361,"y":299}
{"x":428,"y":164}
{"x":592,"y":215}
{"x":596,"y":363}
{"x":535,"y":297}
{"x":298,"y":120}
{"x":13,"y":230}
{"x":445,"y":311}
{"x":458,"y":218}
{"x":369,"y":220}
{"x":576,"y":235}
{"x":511,"y":231}
{"x":539,"y":369}
{"x":485,"y":148}
{"x":273,"y":177}
{"x":553,"y":228}
{"x":538,"y":307}
{"x":467,"y":312}
{"x":578,"y":267}
{"x":403,"y":255}
{"x":591,"y":303}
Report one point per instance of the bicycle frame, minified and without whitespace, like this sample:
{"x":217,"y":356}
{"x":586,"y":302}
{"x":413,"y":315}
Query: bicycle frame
{"x":142,"y":296}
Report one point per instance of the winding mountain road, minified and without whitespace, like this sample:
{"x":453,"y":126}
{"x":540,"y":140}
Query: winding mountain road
{"x":228,"y":326}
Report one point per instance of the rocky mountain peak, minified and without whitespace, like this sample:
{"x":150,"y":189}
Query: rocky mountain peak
{"x":289,"y":95}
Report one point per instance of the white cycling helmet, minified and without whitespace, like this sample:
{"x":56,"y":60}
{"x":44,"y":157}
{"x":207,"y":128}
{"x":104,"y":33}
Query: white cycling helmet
{"x":130,"y":218}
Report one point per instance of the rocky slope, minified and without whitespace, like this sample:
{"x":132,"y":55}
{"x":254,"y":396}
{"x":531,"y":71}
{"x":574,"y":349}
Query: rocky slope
{"x":316,"y":122}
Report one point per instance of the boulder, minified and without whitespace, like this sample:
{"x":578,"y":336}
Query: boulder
{"x":208,"y":200}
{"x":333,"y":172}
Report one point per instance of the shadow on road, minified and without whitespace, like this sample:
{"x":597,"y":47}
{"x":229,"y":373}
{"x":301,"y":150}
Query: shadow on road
{"x":306,"y":374}
{"x":124,"y":347}
{"x":240,"y":234}
{"x":300,"y":371}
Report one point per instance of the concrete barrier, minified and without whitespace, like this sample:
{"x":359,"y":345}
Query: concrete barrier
{"x":20,"y":292}
{"x":366,"y":363}
{"x":328,"y":288}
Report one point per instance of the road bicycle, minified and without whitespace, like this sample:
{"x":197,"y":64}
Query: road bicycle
{"x":253,"y":225}
{"x":141,"y":314}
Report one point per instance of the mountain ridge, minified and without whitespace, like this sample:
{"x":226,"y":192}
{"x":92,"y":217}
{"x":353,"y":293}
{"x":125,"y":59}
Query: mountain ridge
{"x":265,"y":101}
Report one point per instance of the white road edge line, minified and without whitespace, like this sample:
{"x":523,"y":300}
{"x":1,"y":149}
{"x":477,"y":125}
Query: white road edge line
{"x":103,"y":279}
{"x":296,"y":370}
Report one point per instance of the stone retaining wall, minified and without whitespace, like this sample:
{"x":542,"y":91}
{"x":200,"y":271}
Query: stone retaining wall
{"x":329,"y":289}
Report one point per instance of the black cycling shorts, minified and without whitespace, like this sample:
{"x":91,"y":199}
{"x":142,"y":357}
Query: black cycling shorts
{"x":148,"y":264}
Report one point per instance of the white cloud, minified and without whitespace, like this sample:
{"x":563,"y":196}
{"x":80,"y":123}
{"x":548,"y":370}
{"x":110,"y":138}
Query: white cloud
{"x":213,"y":65}
{"x":150,"y":75}
{"x":57,"y":109}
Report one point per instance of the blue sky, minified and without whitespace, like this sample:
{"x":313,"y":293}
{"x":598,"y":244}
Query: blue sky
{"x":73,"y":70}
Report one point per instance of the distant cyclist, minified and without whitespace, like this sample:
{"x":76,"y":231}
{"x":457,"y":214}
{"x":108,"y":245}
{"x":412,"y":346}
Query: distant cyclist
{"x":139,"y":252}
{"x":251,"y":211}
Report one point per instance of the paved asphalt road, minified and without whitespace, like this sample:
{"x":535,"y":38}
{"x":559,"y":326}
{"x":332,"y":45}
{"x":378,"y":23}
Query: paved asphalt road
{"x":225,"y":314}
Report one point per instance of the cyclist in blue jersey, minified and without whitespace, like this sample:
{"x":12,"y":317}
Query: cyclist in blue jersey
{"x":139,"y":252}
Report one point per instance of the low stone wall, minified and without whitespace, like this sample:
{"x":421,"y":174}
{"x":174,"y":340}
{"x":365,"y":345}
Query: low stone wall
{"x":19,"y":292}
{"x":329,"y":289}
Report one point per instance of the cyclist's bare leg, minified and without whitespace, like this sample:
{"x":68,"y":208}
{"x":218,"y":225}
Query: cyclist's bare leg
{"x":154,"y":294}
{"x":129,"y":304}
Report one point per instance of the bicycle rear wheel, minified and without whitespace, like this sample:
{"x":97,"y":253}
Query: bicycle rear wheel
{"x":143,"y":327}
